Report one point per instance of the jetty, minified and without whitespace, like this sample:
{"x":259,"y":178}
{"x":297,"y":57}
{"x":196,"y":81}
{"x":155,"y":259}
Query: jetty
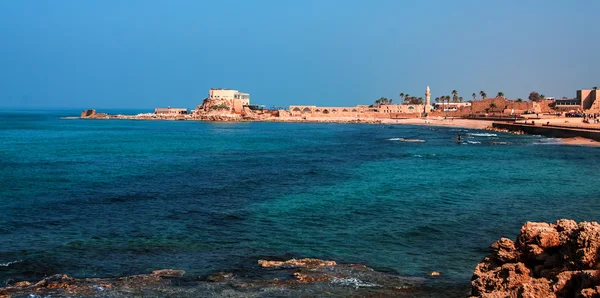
{"x":550,"y":130}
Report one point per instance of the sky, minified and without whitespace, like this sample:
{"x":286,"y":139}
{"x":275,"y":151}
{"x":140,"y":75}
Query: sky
{"x":145,"y":54}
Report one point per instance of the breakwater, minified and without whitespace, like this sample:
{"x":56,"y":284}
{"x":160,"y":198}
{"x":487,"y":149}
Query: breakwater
{"x":549,"y":131}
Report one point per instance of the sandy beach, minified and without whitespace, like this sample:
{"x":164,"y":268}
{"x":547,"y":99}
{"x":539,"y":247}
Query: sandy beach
{"x":580,"y":142}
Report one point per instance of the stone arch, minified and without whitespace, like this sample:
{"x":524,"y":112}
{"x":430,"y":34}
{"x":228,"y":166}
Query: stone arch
{"x":325,"y":111}
{"x":306,"y":110}
{"x":354,"y":110}
{"x":411,"y":107}
{"x":344,"y":110}
{"x":334,"y":111}
{"x":317,"y":110}
{"x":296,"y":109}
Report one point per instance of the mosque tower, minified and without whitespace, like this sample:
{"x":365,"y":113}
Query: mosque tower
{"x":427,"y":101}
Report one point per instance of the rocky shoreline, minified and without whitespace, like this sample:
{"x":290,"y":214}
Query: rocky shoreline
{"x":296,"y":277}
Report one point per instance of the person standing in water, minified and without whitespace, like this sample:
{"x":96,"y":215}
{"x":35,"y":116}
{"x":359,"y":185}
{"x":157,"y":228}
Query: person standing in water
{"x":458,"y":138}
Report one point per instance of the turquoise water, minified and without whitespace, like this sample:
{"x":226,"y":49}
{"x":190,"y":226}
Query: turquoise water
{"x":97,"y":198}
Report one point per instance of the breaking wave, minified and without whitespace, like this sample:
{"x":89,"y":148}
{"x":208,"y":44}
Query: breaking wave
{"x":407,"y":140}
{"x":483,"y":134}
{"x":9,"y":263}
{"x":354,"y":282}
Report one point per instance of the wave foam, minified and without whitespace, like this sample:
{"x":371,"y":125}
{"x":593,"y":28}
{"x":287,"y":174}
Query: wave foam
{"x":9,"y":263}
{"x":484,"y":134}
{"x":407,"y":140}
{"x":355,"y":282}
{"x":473,"y":142}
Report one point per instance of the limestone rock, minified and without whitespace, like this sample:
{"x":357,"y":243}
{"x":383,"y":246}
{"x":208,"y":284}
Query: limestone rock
{"x":296,"y":263}
{"x":168,"y":273}
{"x":547,"y":260}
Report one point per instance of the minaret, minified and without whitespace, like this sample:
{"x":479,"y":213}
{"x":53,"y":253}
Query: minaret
{"x":427,"y":100}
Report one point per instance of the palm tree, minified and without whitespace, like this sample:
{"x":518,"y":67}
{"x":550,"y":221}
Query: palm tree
{"x":500,"y":94}
{"x":474,"y":95}
{"x":492,"y":106}
{"x":519,"y":99}
{"x":595,"y":88}
{"x":448,"y":100}
{"x":437,"y":99}
{"x":402,"y":95}
{"x":460,"y":99}
{"x":482,"y":94}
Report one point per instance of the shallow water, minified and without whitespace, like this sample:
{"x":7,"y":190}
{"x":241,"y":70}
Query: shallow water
{"x":97,"y":198}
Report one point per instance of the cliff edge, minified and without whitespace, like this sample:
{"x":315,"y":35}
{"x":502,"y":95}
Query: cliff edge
{"x":546,"y":260}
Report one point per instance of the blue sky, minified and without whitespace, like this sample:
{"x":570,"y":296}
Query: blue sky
{"x":144,"y":54}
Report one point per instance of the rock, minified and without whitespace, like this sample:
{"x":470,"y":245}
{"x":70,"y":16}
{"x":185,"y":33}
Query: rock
{"x":547,"y":260}
{"x":588,"y":241}
{"x":88,"y":113}
{"x":308,"y":278}
{"x":293,"y":263}
{"x":434,"y":273}
{"x":504,"y":250}
{"x":168,"y":273}
{"x":220,"y":276}
{"x":590,"y":292}
{"x":22,"y":284}
{"x":92,"y":114}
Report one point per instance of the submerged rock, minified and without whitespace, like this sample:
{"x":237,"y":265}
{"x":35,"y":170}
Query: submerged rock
{"x":295,"y":277}
{"x":547,"y":260}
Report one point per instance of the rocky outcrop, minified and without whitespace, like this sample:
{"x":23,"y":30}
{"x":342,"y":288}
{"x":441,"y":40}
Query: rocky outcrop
{"x":291,"y":278}
{"x":547,"y":260}
{"x":93,"y":115}
{"x":294,"y":263}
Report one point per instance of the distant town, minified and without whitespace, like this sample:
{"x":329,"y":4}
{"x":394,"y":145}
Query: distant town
{"x":233,"y":105}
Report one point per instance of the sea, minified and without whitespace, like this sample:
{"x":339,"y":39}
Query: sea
{"x":107,"y":198}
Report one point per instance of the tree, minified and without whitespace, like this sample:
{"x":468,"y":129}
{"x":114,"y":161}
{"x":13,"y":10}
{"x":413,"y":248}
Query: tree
{"x":542,"y":96}
{"x":454,"y":96}
{"x":402,"y":95}
{"x":460,"y":99}
{"x":500,"y":94}
{"x":519,"y":99}
{"x":437,"y":99}
{"x":534,"y":96}
{"x":595,"y":88}
{"x":493,"y":106}
{"x":483,"y":95}
{"x":381,"y":101}
{"x":474,"y":95}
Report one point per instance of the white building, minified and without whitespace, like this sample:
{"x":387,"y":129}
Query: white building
{"x":229,"y":94}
